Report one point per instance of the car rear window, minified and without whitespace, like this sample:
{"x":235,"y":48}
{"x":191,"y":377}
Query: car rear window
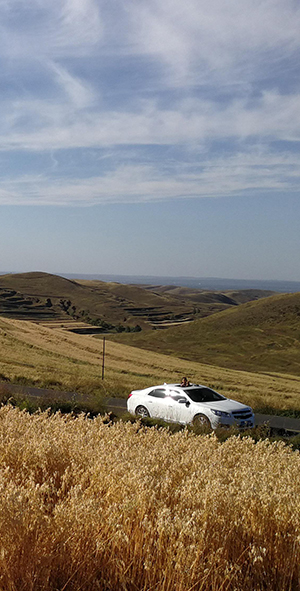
{"x":203,"y":395}
{"x":157,"y":393}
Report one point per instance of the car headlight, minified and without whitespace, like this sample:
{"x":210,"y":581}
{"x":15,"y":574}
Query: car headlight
{"x":220,"y":413}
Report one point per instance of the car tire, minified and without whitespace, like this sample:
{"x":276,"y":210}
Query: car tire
{"x":142,"y":412}
{"x":201,"y":421}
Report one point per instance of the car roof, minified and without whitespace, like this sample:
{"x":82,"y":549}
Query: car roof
{"x":179,"y":386}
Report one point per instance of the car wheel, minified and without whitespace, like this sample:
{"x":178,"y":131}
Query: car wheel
{"x":142,"y":412}
{"x":201,"y":421}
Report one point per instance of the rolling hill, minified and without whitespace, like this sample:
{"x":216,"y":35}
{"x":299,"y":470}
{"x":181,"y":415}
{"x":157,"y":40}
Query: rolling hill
{"x":263,"y":335}
{"x":201,"y":296}
{"x":50,"y":299}
{"x":44,"y":297}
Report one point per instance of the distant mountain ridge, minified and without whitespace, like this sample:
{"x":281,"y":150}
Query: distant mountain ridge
{"x":206,"y":283}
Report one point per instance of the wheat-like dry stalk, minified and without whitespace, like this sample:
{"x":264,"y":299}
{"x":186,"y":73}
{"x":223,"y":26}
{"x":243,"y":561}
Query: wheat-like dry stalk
{"x":86,"y":505}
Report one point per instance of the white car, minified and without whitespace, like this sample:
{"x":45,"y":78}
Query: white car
{"x":195,"y":404}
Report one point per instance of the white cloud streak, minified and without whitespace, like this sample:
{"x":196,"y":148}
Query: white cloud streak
{"x":212,"y":67}
{"x":80,"y":95}
{"x":227,"y":176}
{"x":52,"y":127}
{"x":59,"y":28}
{"x":200,"y":40}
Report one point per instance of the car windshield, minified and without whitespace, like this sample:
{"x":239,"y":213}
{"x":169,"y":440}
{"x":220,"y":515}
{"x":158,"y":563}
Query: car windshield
{"x":203,"y":395}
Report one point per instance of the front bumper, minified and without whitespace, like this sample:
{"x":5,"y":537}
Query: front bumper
{"x":230,"y":421}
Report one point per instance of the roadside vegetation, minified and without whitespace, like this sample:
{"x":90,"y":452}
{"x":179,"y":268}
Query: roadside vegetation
{"x":52,"y":358}
{"x":91,"y":405}
{"x":89,"y":505}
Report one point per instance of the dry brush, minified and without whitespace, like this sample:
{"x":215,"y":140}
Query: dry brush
{"x":86,"y":504}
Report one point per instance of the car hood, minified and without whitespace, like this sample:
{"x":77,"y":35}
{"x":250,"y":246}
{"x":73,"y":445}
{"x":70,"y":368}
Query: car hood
{"x":226,"y":405}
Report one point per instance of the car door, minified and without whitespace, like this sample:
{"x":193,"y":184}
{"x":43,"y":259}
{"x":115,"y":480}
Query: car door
{"x":157,"y":403}
{"x":178,"y":407}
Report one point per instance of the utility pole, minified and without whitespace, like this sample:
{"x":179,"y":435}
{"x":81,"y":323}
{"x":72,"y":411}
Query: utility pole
{"x":103,"y":357}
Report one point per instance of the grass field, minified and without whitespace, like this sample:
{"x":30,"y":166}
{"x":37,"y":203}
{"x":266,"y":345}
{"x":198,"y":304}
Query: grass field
{"x":53,"y":358}
{"x":260,"y":336}
{"x":86,"y":505}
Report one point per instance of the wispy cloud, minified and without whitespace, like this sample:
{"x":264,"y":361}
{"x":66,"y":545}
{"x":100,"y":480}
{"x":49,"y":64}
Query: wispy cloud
{"x":239,"y":174}
{"x":76,"y":76}
{"x":205,"y":42}
{"x":80,"y":94}
{"x":37,"y":125}
{"x":59,"y":28}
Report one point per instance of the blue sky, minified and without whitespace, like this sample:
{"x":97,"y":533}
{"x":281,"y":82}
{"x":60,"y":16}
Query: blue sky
{"x":149,"y":137}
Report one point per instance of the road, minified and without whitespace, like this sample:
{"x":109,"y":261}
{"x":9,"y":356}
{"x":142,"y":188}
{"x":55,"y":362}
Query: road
{"x":288,"y":424}
{"x":118,"y":406}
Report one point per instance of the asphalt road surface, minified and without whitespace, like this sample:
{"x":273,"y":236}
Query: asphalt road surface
{"x":118,"y":406}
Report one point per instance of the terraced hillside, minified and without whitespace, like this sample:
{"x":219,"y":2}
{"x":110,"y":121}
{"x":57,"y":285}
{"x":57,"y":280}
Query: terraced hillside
{"x":257,"y":336}
{"x":91,"y":307}
{"x":44,"y":297}
{"x":145,"y":306}
{"x":17,"y":305}
{"x":96,"y":307}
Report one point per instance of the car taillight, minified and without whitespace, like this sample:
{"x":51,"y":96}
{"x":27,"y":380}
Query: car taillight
{"x":129,"y":394}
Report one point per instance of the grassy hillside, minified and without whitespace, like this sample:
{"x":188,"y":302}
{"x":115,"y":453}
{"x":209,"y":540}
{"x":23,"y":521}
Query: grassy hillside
{"x":25,"y":296}
{"x":43,"y":297}
{"x":30,"y":353}
{"x":176,"y":303}
{"x":140,"y":304}
{"x":201,"y":296}
{"x":257,"y":336}
{"x":40,"y":284}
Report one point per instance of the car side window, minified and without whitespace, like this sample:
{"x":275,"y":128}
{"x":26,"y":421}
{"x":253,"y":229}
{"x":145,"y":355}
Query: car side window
{"x":158,"y":393}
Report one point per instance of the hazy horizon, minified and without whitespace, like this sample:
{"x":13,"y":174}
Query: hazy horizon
{"x":209,"y":283}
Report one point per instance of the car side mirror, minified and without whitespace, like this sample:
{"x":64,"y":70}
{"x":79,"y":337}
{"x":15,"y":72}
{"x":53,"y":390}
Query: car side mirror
{"x":184,"y":401}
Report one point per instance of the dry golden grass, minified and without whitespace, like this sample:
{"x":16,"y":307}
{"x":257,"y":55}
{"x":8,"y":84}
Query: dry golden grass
{"x":262,"y":335}
{"x":86,"y":505}
{"x":73,"y":362}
